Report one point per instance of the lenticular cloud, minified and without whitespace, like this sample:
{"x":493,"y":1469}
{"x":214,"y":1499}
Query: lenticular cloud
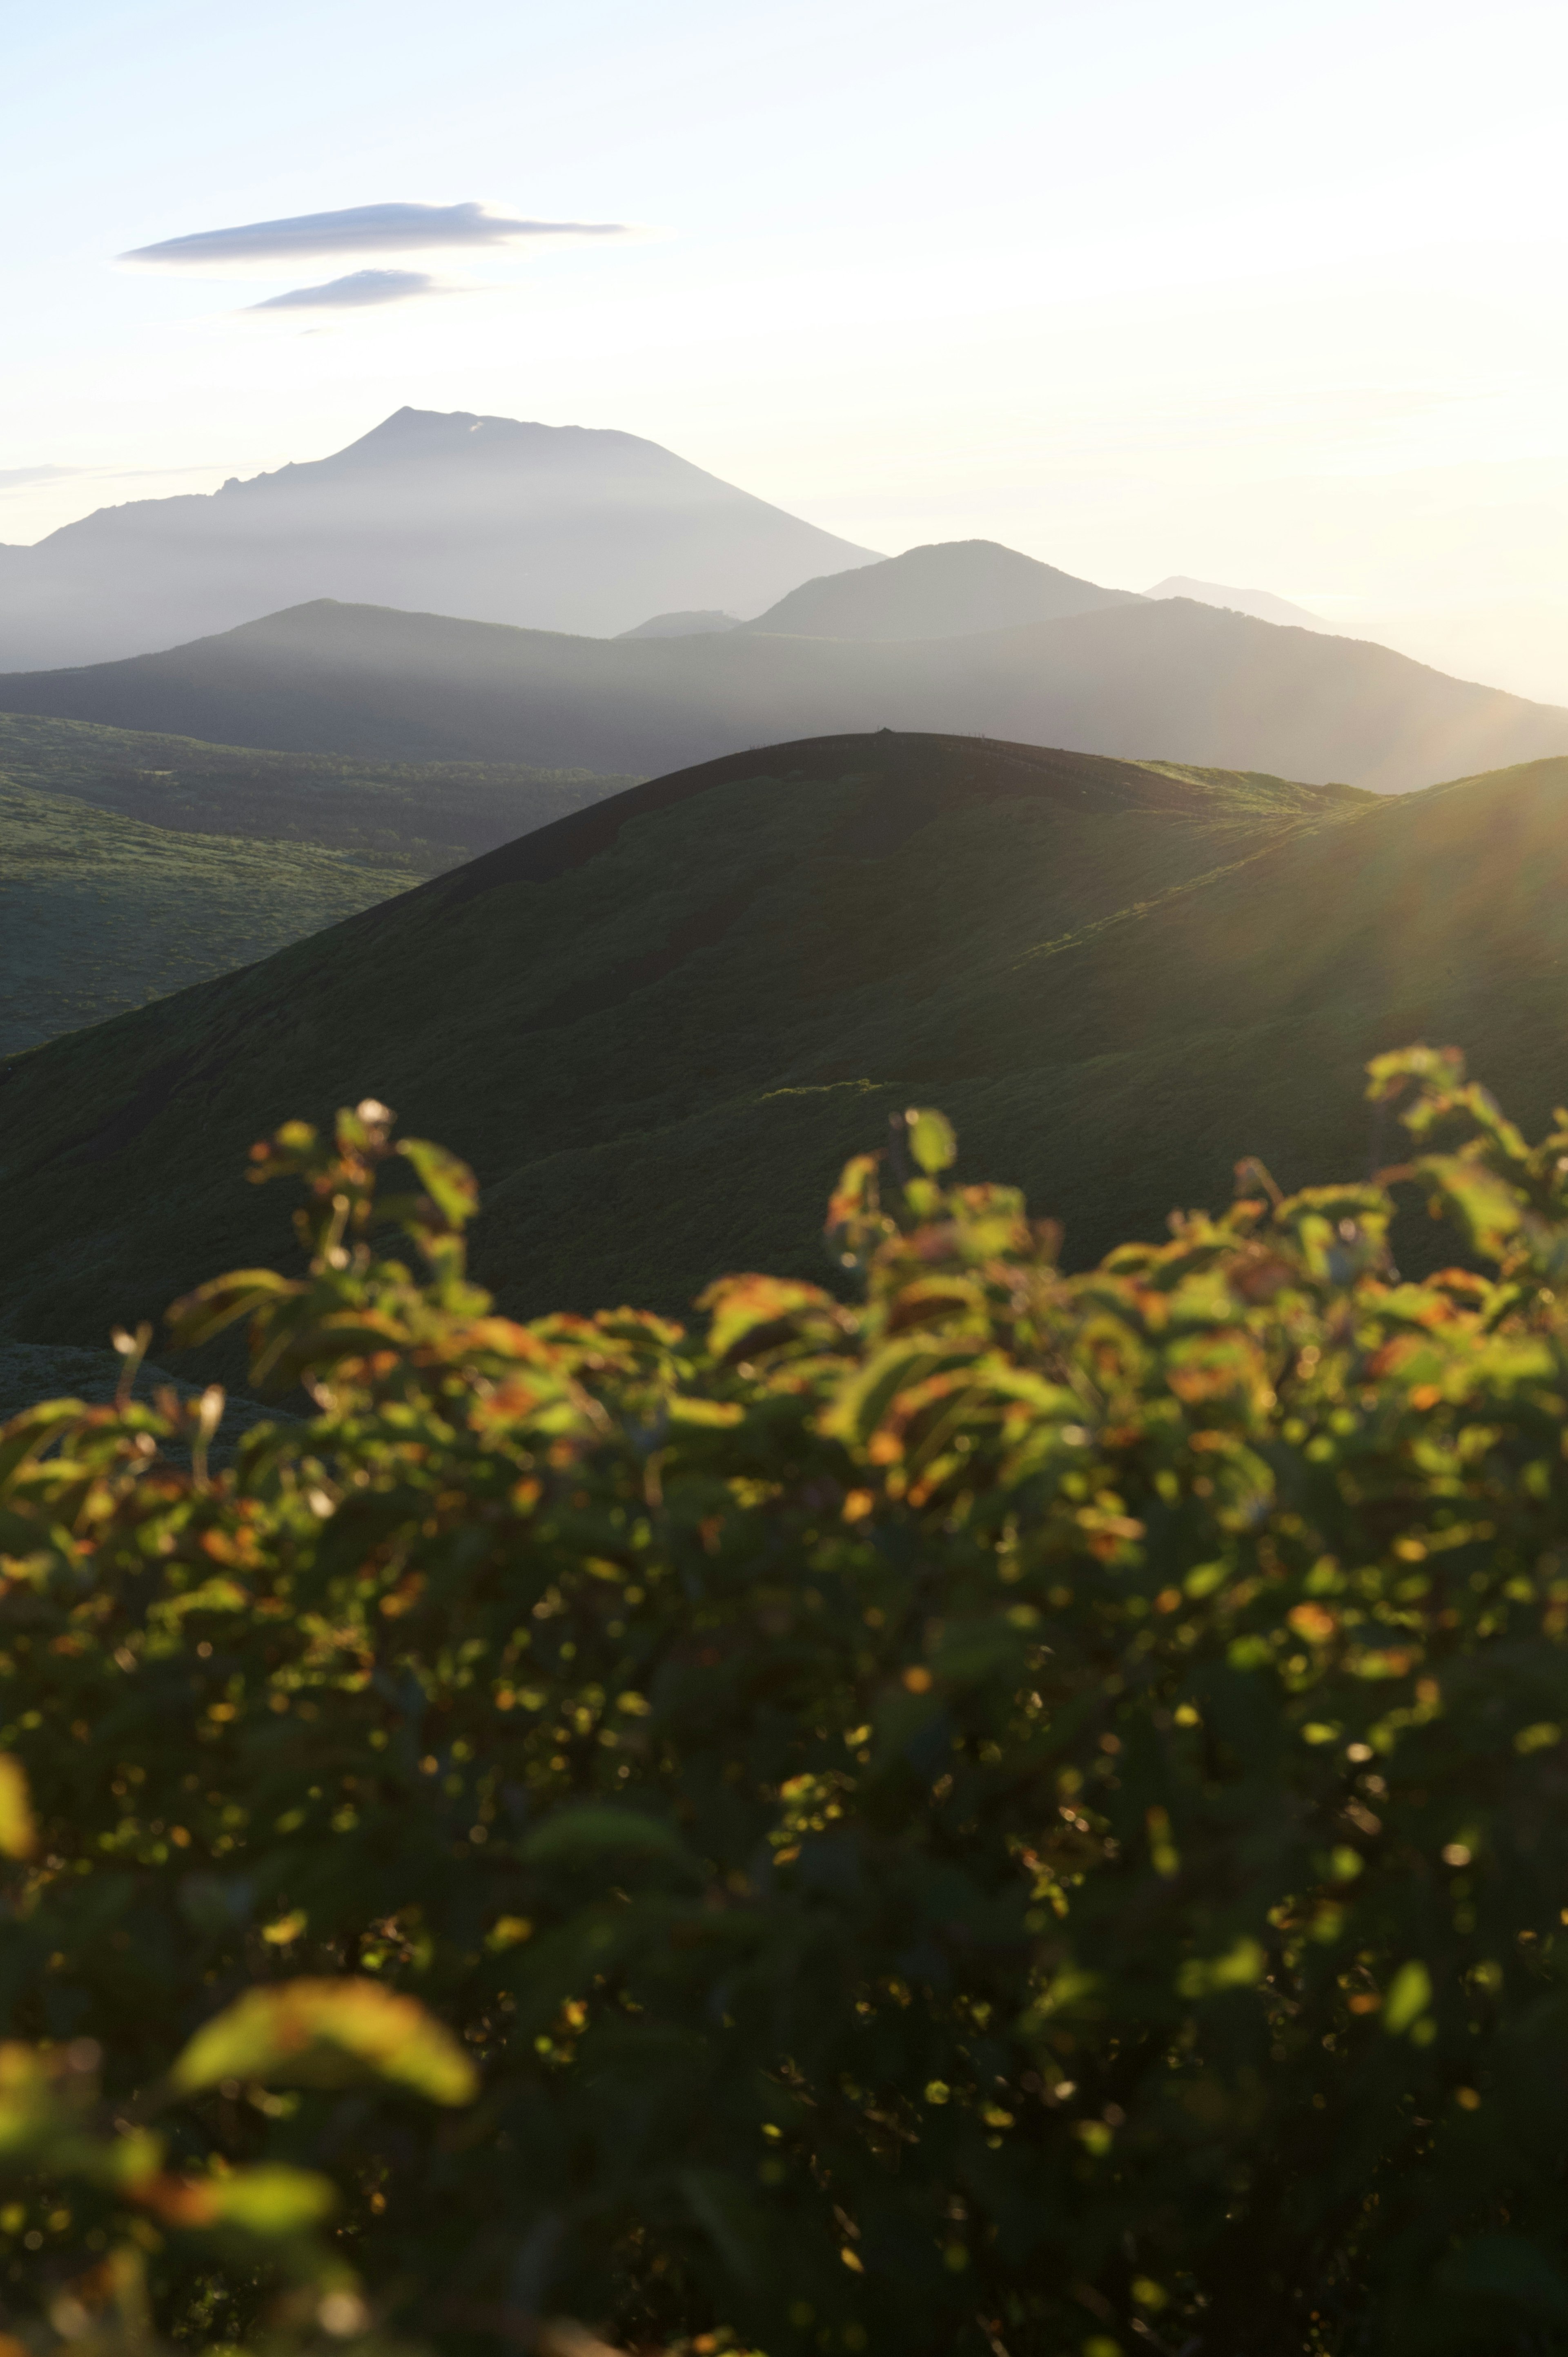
{"x":360,"y":228}
{"x":351,"y":293}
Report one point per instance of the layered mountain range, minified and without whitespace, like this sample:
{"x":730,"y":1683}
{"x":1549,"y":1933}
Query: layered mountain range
{"x":657,"y":1018}
{"x":456,"y":587}
{"x":1139,"y":679}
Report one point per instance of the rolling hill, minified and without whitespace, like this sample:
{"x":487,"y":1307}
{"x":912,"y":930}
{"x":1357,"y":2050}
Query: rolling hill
{"x":131,"y":866}
{"x":100,"y":913}
{"x":418,"y":817}
{"x":953,"y":588}
{"x":1164,"y":679}
{"x":557,"y":527}
{"x":657,"y":1026}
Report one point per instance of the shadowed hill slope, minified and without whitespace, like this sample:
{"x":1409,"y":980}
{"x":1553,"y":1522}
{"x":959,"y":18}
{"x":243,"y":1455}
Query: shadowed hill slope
{"x":1168,"y":680}
{"x":557,"y":527}
{"x":658,"y":1026}
{"x":951,"y":589}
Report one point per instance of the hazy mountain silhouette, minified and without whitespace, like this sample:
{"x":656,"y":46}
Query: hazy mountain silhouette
{"x":681,"y":626}
{"x":1261,"y":604}
{"x":1167,"y":679}
{"x":554,"y":527}
{"x":947,"y":589}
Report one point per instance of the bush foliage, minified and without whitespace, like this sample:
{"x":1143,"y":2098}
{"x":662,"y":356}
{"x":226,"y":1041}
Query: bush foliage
{"x":98,"y":2175}
{"x":1023,"y":1814}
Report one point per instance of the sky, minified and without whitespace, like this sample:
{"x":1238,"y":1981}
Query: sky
{"x":1270,"y":296}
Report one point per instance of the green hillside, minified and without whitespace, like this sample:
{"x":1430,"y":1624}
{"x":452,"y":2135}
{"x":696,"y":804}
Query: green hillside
{"x":132,"y":865}
{"x":657,"y":1027}
{"x":654,"y":1026}
{"x":99,"y":913}
{"x":419,"y":816}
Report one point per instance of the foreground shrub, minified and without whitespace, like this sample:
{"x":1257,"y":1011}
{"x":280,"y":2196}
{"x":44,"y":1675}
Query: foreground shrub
{"x":1024,"y":1815}
{"x":100,"y":2189}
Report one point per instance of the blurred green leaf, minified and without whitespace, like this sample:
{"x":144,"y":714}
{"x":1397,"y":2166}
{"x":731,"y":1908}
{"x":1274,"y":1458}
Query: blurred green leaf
{"x":1410,"y":1994}
{"x":18,"y":1836}
{"x":931,"y":1139}
{"x":450,"y":1184}
{"x":328,"y":2033}
{"x":270,"y":2199}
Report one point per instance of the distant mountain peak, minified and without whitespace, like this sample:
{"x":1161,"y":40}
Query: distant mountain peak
{"x":574,"y":528}
{"x":942,"y":589}
{"x":410,"y":425}
{"x":416,"y":434}
{"x":699,"y":625}
{"x":1261,"y":604}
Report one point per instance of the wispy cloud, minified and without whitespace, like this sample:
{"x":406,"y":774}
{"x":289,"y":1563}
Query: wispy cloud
{"x":351,"y":293}
{"x":12,"y":476}
{"x":361,"y":229}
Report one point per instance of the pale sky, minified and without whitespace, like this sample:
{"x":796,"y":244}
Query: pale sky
{"x":1274,"y":295}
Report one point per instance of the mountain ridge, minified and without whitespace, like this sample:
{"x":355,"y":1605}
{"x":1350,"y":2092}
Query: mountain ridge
{"x":1147,"y":679}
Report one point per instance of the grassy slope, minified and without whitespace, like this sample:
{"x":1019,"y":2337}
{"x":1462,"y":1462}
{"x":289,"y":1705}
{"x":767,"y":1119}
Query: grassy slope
{"x":1169,"y":679}
{"x":133,"y":865}
{"x":99,"y":913}
{"x":420,"y":817}
{"x":658,"y":1026}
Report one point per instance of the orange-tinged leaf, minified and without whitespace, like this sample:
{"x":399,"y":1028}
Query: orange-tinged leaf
{"x":752,"y":1312}
{"x":270,"y":2199}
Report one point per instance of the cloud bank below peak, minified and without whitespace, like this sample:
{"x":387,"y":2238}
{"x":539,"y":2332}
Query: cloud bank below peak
{"x":353,"y":293}
{"x":360,"y":228}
